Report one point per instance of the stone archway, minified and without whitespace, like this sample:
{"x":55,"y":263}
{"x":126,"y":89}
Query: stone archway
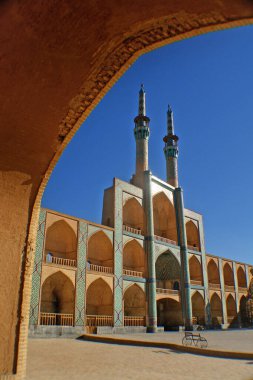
{"x":198,"y":309}
{"x":133,"y":215}
{"x":195,"y":271}
{"x":213,"y":273}
{"x":216,"y":310}
{"x":134,"y":302}
{"x":61,"y":241}
{"x":70,"y":89}
{"x":100,"y":251}
{"x":228,"y":275}
{"x":99,"y":299}
{"x":169,"y":314}
{"x":192,"y":234}
{"x":231,"y":310}
{"x":133,"y":258}
{"x":167,"y":272}
{"x":164,"y":217}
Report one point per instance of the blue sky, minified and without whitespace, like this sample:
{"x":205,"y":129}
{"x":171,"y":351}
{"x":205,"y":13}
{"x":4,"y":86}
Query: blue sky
{"x":208,"y":80}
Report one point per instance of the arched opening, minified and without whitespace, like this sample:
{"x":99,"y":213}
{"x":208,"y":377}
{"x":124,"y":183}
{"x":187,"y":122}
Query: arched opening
{"x":133,"y":259}
{"x":164,"y":218}
{"x":99,"y":304}
{"x":243,"y":311}
{"x":167,"y":273}
{"x":198,"y":309}
{"x":192,"y":233}
{"x":169,"y":314}
{"x":241,"y":277}
{"x":100,"y":253}
{"x":57,"y":300}
{"x":231,"y":310}
{"x":61,"y":244}
{"x":134,"y":306}
{"x":195,"y":271}
{"x":134,"y":217}
{"x":213,"y":273}
{"x":228,"y":275}
{"x":216,"y":310}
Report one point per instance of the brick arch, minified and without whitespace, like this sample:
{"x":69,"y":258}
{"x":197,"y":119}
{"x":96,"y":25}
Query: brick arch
{"x":134,"y":301}
{"x":133,"y":214}
{"x":129,"y":38}
{"x":198,"y":308}
{"x":100,"y":249}
{"x":164,"y":217}
{"x":99,"y":298}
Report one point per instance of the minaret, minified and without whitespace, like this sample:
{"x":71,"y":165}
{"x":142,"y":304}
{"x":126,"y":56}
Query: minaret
{"x":171,"y":150}
{"x":141,"y":133}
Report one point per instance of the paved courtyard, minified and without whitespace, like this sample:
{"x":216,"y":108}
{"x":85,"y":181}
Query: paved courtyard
{"x":54,"y":359}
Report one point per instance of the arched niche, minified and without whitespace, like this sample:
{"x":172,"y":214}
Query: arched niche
{"x":61,"y":240}
{"x":99,"y":298}
{"x":169,"y":313}
{"x":57,"y":294}
{"x":213,"y":272}
{"x":241,"y":277}
{"x":100,"y":250}
{"x":167,"y":271}
{"x":228,"y":275}
{"x":195,"y":271}
{"x":192,"y":233}
{"x":198,"y":308}
{"x":164,"y":217}
{"x":134,"y":301}
{"x":133,"y":256}
{"x":231,"y":309}
{"x":243,"y":311}
{"x":133,"y":215}
{"x":216,"y":310}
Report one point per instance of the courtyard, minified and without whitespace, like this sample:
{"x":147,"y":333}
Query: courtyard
{"x":69,"y":358}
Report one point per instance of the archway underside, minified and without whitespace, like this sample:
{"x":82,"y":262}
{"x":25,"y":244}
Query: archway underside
{"x":52,"y":77}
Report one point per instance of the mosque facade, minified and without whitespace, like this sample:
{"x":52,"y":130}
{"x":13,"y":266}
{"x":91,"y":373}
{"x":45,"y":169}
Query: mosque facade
{"x":145,"y":268}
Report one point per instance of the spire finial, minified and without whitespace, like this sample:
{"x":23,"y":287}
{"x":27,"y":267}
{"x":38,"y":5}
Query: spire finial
{"x":170,"y":122}
{"x":142,"y":101}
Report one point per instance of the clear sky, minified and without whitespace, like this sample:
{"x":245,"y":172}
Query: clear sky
{"x":208,"y":80}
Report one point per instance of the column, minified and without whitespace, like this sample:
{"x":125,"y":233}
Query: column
{"x":246,"y":268}
{"x":80,"y":298}
{"x":186,"y":284}
{"x":237,"y":299}
{"x":150,"y":249}
{"x":223,"y":294}
{"x":37,"y":269}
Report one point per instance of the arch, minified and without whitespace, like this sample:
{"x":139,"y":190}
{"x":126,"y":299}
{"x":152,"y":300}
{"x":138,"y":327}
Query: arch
{"x":213,"y":272}
{"x":228,"y":275}
{"x":167,"y":271}
{"x":133,"y":215}
{"x":243,"y":310}
{"x":164,"y":217}
{"x":192,"y":233}
{"x":134,"y":301}
{"x":195,"y":270}
{"x":99,"y":298}
{"x":198,"y":308}
{"x":241,"y":277}
{"x":216,"y":310}
{"x":169,"y":313}
{"x":61,"y":240}
{"x":231,"y":309}
{"x":100,"y":250}
{"x":57,"y":294}
{"x":133,"y":256}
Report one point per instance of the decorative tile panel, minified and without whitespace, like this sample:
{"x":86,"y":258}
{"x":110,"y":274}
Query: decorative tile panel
{"x":36,"y":275}
{"x":80,"y":275}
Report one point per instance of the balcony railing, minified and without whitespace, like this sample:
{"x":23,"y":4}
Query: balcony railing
{"x":135,"y":231}
{"x":197,"y":282}
{"x":166,"y":291}
{"x":56,"y":319}
{"x":232,"y":318}
{"x":99,"y":268}
{"x":135,"y":321}
{"x":132,"y":273}
{"x":60,"y":261}
{"x":165,"y":240}
{"x":193,"y":248}
{"x":229,"y":288}
{"x":242,"y":289}
{"x":99,"y":320}
{"x":214,"y":286}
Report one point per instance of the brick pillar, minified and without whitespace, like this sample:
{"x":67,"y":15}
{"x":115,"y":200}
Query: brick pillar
{"x":36,"y":275}
{"x":223,"y":295}
{"x":186,"y":284}
{"x":150,"y":249}
{"x":237,"y":299}
{"x":246,"y":268}
{"x":80,"y":298}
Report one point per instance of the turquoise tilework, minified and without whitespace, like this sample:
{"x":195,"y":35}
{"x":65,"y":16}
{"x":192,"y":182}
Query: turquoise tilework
{"x":36,"y":276}
{"x":80,"y":276}
{"x":118,"y":258}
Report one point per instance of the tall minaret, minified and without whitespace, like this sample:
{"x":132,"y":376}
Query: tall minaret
{"x":141,"y":133}
{"x":171,"y":150}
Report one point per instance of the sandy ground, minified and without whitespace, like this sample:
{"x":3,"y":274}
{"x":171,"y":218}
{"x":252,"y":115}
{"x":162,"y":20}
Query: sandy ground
{"x":53,"y":359}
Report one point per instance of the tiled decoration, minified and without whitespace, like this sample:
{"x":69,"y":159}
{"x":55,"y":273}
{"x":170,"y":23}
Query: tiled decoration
{"x":36,"y":276}
{"x":80,"y":276}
